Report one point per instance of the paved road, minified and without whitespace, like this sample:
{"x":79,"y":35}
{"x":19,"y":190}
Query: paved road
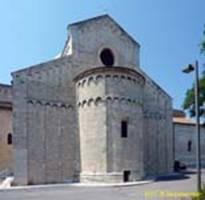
{"x":67,"y":192}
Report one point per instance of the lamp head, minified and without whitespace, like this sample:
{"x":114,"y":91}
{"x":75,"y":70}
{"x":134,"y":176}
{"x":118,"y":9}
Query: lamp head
{"x":188,"y":69}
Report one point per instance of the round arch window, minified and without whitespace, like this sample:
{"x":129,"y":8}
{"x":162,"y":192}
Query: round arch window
{"x":107,"y":57}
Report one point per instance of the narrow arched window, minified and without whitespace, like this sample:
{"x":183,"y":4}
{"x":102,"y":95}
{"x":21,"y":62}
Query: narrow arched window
{"x":124,"y":129}
{"x":189,"y":146}
{"x":9,"y":139}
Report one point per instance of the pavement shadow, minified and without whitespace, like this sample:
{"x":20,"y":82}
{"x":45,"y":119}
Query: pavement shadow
{"x":189,"y":172}
{"x":172,"y":177}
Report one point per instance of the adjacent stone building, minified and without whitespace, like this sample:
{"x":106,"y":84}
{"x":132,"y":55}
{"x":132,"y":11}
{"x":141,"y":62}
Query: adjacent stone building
{"x":6,"y":165}
{"x":185,"y":140}
{"x":92,"y":115}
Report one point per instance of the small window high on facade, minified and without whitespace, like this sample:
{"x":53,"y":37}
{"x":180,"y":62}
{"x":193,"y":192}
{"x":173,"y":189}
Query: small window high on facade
{"x":124,"y":129}
{"x":107,"y":57}
{"x":9,"y":138}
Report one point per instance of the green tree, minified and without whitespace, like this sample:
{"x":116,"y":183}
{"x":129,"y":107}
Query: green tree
{"x":189,"y":101}
{"x":202,"y":45}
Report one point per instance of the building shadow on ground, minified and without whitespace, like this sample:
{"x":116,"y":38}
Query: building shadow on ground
{"x":173,"y":176}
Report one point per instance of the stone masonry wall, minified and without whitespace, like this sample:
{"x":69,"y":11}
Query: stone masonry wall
{"x":92,"y":126}
{"x":106,"y":97}
{"x":158,"y":146}
{"x":184,"y":133}
{"x":45,"y":117}
{"x":126,"y":104}
{"x":6,"y":163}
{"x":87,"y":40}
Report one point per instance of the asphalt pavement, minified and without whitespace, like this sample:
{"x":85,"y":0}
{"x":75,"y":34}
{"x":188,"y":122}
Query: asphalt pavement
{"x":169,"y":185}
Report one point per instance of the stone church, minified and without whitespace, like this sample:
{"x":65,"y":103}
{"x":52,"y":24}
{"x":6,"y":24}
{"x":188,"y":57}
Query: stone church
{"x":91,"y":115}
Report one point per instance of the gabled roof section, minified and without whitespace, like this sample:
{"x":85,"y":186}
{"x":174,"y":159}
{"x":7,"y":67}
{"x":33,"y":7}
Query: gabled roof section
{"x":41,"y":66}
{"x":102,"y":17}
{"x":5,"y":85}
{"x":154,"y":83}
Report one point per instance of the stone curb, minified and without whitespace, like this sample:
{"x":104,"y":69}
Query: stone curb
{"x":76,"y":185}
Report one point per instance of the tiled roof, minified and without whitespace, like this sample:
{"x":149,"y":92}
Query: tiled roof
{"x":183,"y":120}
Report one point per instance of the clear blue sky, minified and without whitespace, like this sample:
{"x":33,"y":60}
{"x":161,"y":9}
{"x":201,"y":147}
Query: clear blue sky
{"x":169,"y":31}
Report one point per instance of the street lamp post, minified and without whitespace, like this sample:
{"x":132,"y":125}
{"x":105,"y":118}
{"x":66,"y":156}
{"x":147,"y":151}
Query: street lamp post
{"x":190,"y":68}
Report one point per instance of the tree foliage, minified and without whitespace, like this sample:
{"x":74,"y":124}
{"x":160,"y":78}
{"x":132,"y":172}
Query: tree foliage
{"x":189,"y":101}
{"x":202,"y":44}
